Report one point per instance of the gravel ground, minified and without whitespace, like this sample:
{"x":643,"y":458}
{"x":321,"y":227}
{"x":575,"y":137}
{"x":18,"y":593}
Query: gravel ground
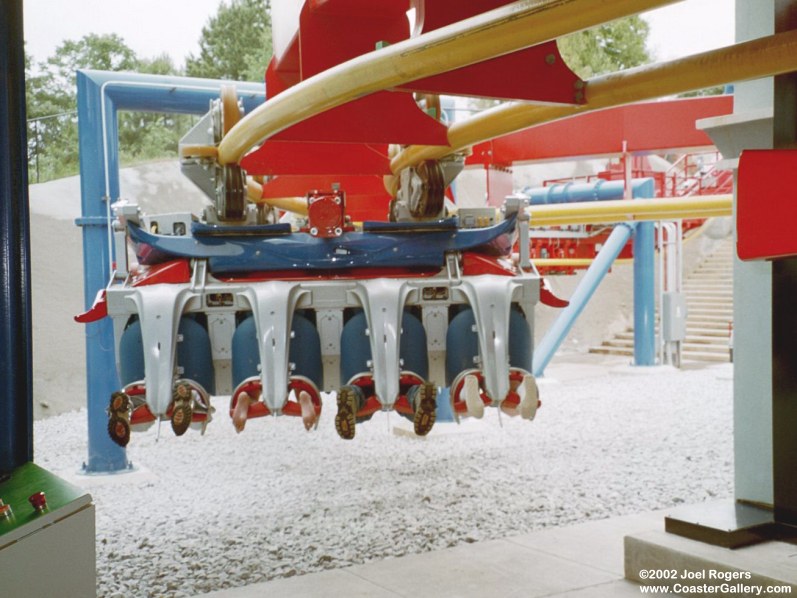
{"x":225,"y":510}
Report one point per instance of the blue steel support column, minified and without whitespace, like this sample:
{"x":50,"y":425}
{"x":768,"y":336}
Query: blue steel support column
{"x":545,"y":351}
{"x":644,"y":294}
{"x":120,"y":91}
{"x":16,"y":396}
{"x":103,"y":454}
{"x":645,"y":283}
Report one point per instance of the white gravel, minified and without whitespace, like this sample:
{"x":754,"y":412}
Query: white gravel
{"x":225,"y":510}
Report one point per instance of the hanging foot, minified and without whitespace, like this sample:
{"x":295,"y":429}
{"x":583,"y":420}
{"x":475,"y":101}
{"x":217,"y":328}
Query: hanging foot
{"x":241,"y":412}
{"x":346,"y":417}
{"x":531,"y":396}
{"x":119,"y":418}
{"x":182,"y":407}
{"x":309,"y":413}
{"x":473,"y":397}
{"x":425,"y":404}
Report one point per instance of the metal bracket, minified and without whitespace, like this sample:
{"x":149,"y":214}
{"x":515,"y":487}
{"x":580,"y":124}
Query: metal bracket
{"x":383,"y":300}
{"x":273,"y":304}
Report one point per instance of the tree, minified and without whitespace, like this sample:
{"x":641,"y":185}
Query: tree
{"x":52,"y":100}
{"x":150,"y":135}
{"x":610,"y":47}
{"x":52,"y":105}
{"x":235,"y":43}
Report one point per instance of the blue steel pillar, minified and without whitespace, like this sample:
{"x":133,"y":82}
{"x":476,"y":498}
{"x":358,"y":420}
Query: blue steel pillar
{"x":103,"y":454}
{"x":16,"y":395}
{"x":644,"y":294}
{"x":645,"y":283}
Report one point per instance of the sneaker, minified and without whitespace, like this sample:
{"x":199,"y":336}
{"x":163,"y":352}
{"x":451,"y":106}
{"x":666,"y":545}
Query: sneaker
{"x":119,"y":418}
{"x":531,"y":395}
{"x":473,"y":397}
{"x":183,"y":408}
{"x":425,"y":405}
{"x":346,"y":417}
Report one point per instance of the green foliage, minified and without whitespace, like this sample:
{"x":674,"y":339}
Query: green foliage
{"x":235,"y":43}
{"x":52,"y":105}
{"x":611,"y":47}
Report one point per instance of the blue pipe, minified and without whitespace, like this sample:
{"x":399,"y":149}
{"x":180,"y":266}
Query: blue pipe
{"x":599,"y":190}
{"x":102,"y":380}
{"x":644,"y":294}
{"x":119,"y":91}
{"x":645,"y":284}
{"x":581,"y":296}
{"x":16,"y":377}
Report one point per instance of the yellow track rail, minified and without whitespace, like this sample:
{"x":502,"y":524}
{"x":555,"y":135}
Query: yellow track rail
{"x":764,"y":57}
{"x":497,"y":32}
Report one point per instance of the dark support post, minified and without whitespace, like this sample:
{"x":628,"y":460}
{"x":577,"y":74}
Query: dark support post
{"x":784,"y":309}
{"x":16,"y":398}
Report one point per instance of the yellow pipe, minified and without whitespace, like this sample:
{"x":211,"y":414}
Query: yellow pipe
{"x":254,"y":192}
{"x":497,"y":32}
{"x":672,"y":208}
{"x":573,"y":262}
{"x":764,"y":57}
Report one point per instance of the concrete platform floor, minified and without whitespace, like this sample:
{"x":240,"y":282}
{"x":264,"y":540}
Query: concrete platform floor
{"x":580,"y":561}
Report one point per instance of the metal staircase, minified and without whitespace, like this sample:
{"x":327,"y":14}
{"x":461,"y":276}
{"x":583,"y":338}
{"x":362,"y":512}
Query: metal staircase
{"x":709,"y":296}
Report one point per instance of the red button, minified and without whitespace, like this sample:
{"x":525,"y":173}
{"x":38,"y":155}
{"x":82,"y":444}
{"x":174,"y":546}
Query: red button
{"x":38,"y":500}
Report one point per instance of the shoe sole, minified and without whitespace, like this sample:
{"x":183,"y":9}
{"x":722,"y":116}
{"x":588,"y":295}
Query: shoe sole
{"x":528,"y":406}
{"x":120,"y":403}
{"x":119,"y":418}
{"x":473,"y":399}
{"x":182,"y":411}
{"x":426,"y":411}
{"x":119,"y":430}
{"x":346,"y":417}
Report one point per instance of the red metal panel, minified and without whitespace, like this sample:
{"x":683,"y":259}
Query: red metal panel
{"x":646,"y":127}
{"x":534,"y":74}
{"x":382,"y":117}
{"x":300,"y":157}
{"x":366,"y":198}
{"x":280,"y":79}
{"x":334,"y":31}
{"x":433,"y":14}
{"x":766,"y":204}
{"x":537,"y":73}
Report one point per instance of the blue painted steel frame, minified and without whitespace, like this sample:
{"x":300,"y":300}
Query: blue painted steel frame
{"x":16,"y":378}
{"x":645,"y":294}
{"x":101,"y":95}
{"x":644,"y":279}
{"x":600,"y":190}
{"x":547,"y":347}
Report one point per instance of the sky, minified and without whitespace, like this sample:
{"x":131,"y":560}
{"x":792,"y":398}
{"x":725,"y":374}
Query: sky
{"x":153,"y":27}
{"x":149,"y":27}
